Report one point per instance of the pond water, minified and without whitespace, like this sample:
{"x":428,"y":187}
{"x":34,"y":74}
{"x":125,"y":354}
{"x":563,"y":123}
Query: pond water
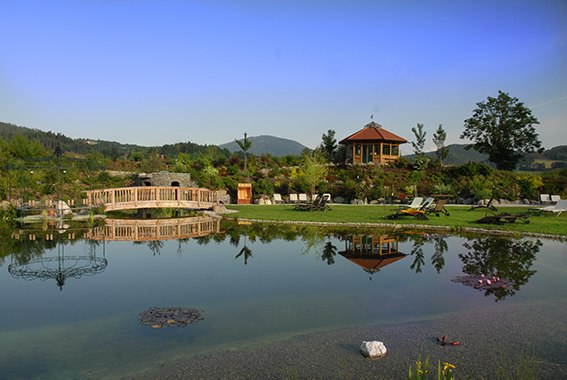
{"x":71,"y":299}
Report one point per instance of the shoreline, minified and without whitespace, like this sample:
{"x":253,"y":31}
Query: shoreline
{"x":397,"y":226}
{"x":516,"y":343}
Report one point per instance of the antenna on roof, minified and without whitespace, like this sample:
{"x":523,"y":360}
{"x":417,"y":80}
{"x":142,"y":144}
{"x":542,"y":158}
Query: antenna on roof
{"x":372,"y":116}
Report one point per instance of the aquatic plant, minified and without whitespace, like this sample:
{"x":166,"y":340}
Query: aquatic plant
{"x":444,"y":372}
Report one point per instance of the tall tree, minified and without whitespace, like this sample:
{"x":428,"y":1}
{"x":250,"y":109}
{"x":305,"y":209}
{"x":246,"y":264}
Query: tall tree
{"x":313,"y":168}
{"x":503,"y":128}
{"x":419,"y":142}
{"x":439,"y":138}
{"x":418,"y":145}
{"x":329,"y":145}
{"x":245,"y":145}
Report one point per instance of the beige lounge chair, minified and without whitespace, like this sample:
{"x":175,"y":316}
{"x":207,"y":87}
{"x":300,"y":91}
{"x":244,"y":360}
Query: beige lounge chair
{"x":302,"y":197}
{"x":277,"y":198}
{"x":293,"y":198}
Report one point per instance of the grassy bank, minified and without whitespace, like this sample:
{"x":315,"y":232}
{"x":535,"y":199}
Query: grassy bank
{"x":461,"y":218}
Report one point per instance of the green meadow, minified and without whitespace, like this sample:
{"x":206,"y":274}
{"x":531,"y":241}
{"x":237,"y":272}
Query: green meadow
{"x":461,"y":218}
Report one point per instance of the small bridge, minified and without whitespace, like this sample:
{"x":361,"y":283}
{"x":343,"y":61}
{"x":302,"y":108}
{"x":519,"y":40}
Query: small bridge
{"x":125,"y":198}
{"x":154,"y":229}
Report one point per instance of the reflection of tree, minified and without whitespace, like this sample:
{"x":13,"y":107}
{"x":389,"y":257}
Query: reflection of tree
{"x":245,"y":251}
{"x":508,"y":259}
{"x":437,"y":259}
{"x":154,"y":245}
{"x":417,"y":252}
{"x":329,"y":252}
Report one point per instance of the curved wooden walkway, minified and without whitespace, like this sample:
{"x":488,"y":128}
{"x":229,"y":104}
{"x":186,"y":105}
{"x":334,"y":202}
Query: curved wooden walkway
{"x":125,"y":198}
{"x":154,"y":229}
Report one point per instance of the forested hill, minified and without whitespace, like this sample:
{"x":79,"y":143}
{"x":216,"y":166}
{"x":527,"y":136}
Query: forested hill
{"x":458,"y":155}
{"x":276,"y":146}
{"x":111,"y":149}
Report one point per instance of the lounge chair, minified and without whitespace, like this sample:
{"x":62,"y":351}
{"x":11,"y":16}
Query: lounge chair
{"x":277,"y":198}
{"x":504,"y":217}
{"x":544,"y":199}
{"x":319,"y":204}
{"x":438,"y":208}
{"x":558,"y":208}
{"x":555,"y":198}
{"x":293,"y":198}
{"x":302,"y":198}
{"x":415,"y":203}
{"x":418,"y":213}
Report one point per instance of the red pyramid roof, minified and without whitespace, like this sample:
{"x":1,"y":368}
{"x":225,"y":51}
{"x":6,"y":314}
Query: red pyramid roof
{"x":373,"y":132}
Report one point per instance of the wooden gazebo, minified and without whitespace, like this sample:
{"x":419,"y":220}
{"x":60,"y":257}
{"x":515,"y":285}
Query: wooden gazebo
{"x":374,"y":145}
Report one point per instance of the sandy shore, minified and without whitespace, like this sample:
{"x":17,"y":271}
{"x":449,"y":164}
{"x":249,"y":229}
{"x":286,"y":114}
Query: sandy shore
{"x":529,"y":338}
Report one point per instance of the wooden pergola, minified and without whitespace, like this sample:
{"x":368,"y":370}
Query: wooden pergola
{"x":374,"y":145}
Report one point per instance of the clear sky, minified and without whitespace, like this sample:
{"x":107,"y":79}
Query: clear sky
{"x":165,"y":71}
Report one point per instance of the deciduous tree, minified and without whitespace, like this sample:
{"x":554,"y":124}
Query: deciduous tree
{"x":503,"y":128}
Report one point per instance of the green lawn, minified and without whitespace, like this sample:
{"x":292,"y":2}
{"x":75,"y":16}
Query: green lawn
{"x":460,"y":217}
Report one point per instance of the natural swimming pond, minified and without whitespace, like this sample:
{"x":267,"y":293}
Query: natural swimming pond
{"x":71,"y":300}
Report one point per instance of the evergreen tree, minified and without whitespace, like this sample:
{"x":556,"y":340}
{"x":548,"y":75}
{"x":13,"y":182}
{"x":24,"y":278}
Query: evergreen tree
{"x":439,"y":138}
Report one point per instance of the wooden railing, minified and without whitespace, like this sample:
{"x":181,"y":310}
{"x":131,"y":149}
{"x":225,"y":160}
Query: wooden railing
{"x":154,"y":229}
{"x":124,"y":198}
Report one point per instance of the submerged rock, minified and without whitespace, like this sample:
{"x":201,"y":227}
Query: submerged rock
{"x":159,"y":317}
{"x":373,"y":349}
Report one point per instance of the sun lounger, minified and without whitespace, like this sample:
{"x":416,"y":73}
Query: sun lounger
{"x":555,"y":198}
{"x":293,"y":198}
{"x":277,"y":198}
{"x":419,"y":213}
{"x":319,"y":204}
{"x":544,"y":199}
{"x":302,"y":197}
{"x":438,"y":208}
{"x":415,"y":203}
{"x":558,"y":208}
{"x":504,"y":217}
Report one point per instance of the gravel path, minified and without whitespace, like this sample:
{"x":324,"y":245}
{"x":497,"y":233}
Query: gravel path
{"x":530,"y":339}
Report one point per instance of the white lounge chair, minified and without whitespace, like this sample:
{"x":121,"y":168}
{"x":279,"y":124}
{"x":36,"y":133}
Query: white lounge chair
{"x":415,"y":203}
{"x":544,"y":199}
{"x":302,"y":198}
{"x":558,"y":208}
{"x":293,"y":198}
{"x":277,"y":198}
{"x":555,"y":198}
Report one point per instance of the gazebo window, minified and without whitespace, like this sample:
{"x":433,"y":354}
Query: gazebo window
{"x":357,"y":149}
{"x":386,"y":149}
{"x":395,"y":150}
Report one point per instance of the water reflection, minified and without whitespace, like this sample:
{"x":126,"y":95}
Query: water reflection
{"x":499,"y":265}
{"x":154,"y":230}
{"x":33,"y":265}
{"x":372,"y":252}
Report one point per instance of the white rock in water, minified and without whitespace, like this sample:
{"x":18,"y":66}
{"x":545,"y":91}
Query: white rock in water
{"x":373,"y":349}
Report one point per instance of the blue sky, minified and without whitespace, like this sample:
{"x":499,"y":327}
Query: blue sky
{"x":161,"y":72}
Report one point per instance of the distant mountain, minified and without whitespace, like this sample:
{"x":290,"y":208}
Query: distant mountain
{"x":276,"y":146}
{"x":110,"y":149}
{"x":457,"y":155}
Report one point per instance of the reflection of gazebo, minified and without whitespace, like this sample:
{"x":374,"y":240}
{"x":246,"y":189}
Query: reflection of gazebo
{"x":59,"y":268}
{"x":371,"y":252}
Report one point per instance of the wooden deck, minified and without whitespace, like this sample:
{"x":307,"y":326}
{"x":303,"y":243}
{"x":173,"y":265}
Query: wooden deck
{"x":154,"y":229}
{"x":125,"y":198}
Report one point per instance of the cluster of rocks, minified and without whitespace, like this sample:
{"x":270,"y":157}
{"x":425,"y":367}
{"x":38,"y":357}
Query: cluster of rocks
{"x":159,"y":317}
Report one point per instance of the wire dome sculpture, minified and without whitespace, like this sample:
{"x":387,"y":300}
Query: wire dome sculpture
{"x":59,"y":268}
